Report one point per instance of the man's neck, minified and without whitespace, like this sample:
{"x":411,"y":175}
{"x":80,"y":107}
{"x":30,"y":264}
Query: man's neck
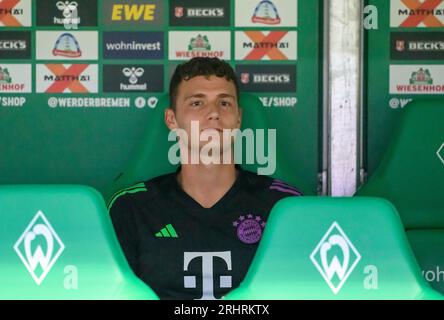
{"x":207,"y":184}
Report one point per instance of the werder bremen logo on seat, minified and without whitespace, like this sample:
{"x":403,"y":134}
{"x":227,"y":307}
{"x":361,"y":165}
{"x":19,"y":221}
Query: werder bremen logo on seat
{"x":440,"y":153}
{"x":39,"y":247}
{"x":335,"y":257}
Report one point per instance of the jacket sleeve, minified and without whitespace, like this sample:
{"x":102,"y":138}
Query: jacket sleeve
{"x":123,"y":218}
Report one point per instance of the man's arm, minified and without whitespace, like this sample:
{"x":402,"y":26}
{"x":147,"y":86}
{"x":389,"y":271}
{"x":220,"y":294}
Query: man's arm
{"x":122,"y":216}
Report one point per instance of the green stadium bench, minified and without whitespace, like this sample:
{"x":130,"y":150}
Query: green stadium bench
{"x":58,"y":242}
{"x":411,"y":176}
{"x":334,"y":248}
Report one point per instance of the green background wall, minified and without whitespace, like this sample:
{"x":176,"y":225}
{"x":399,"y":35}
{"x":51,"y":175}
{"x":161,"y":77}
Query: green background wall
{"x":41,"y":144}
{"x":382,"y":108}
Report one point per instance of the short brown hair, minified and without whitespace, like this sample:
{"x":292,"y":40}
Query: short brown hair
{"x":200,"y":66}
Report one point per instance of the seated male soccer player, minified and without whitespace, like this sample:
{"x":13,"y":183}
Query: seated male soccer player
{"x":192,"y":234}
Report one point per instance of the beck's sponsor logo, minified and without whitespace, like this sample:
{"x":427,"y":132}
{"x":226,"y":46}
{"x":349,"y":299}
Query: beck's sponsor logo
{"x":187,"y":45}
{"x":68,"y":14}
{"x":133,"y":45}
{"x":200,"y":13}
{"x":60,"y":78}
{"x":416,"y":79}
{"x":59,"y":45}
{"x":267,"y":78}
{"x":417,"y":13}
{"x":205,"y":12}
{"x":417,"y":45}
{"x":15,"y":13}
{"x":133,"y":78}
{"x":15,"y":45}
{"x":15,"y":78}
{"x":263,"y":45}
{"x":266,"y":13}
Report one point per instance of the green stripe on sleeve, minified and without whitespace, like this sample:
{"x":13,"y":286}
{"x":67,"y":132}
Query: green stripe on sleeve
{"x":123,"y":193}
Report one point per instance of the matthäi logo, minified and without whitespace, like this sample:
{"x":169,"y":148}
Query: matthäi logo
{"x":29,"y":249}
{"x":338,"y":268}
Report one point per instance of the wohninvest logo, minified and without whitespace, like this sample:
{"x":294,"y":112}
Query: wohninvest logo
{"x":133,"y":45}
{"x":39,"y":247}
{"x":210,"y":146}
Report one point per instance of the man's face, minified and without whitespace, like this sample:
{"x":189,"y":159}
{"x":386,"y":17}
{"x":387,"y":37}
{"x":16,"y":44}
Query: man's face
{"x":209,"y":101}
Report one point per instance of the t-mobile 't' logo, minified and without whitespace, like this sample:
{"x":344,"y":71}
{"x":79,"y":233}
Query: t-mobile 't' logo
{"x":207,"y":272}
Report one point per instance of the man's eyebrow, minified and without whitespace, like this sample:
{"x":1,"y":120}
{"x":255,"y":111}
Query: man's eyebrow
{"x":196,"y":95}
{"x":226,"y":95}
{"x":201,"y":95}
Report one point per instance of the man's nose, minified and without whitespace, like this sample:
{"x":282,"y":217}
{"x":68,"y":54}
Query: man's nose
{"x":213,"y":112}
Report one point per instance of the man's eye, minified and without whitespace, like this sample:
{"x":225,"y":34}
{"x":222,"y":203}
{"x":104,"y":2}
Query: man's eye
{"x":225,"y":103}
{"x":196,"y":103}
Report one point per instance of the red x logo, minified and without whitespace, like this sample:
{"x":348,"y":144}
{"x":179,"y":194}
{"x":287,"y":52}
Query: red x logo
{"x":423,"y":15}
{"x":266,"y":45}
{"x":74,"y":70}
{"x":6,"y":18}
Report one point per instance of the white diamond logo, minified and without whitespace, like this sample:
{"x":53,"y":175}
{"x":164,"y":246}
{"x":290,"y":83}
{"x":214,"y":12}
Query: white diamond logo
{"x":438,"y":153}
{"x":39,"y":247}
{"x":335,"y":257}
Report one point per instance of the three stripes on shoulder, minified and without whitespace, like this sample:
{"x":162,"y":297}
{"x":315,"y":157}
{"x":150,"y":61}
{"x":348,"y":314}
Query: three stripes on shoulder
{"x":282,"y":186}
{"x":133,"y":189}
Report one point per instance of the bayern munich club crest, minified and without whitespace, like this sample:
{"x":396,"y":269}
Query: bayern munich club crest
{"x":249,"y":228}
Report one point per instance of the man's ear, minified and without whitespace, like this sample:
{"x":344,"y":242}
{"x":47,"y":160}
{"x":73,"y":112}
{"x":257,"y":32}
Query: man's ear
{"x":239,"y":123}
{"x":170,"y":119}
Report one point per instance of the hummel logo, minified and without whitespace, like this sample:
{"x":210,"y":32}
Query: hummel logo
{"x":167,"y":232}
{"x":133,"y":74}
